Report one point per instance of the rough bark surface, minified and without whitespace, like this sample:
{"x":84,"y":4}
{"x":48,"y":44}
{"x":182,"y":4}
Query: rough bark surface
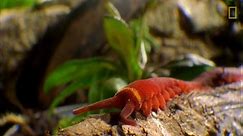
{"x":216,"y":112}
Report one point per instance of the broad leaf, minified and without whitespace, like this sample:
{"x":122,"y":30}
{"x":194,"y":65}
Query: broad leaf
{"x":17,"y":3}
{"x":67,"y":92}
{"x":112,"y":11}
{"x":101,"y":89}
{"x":121,"y":38}
{"x":189,"y":66}
{"x":104,"y":89}
{"x":76,"y":70}
{"x":94,"y":92}
{"x":140,"y":30}
{"x":188,"y":73}
{"x":84,"y":81}
{"x":114,"y":83}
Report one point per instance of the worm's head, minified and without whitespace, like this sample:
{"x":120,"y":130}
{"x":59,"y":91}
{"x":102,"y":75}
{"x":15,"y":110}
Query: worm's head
{"x":130,"y":94}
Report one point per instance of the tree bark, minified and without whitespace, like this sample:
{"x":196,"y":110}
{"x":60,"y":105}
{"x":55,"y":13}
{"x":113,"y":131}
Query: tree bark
{"x":200,"y":113}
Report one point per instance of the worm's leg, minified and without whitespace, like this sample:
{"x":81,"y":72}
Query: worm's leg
{"x":126,"y":112}
{"x":155,"y":104}
{"x":166,"y":95}
{"x":171,"y":92}
{"x":150,"y":103}
{"x":162,"y":102}
{"x":145,"y":109}
{"x":177,"y":90}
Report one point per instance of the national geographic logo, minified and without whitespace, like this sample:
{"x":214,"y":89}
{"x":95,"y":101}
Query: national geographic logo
{"x":235,"y":10}
{"x":232,"y":12}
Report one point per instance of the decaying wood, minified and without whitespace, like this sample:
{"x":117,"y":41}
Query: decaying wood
{"x":217,"y":112}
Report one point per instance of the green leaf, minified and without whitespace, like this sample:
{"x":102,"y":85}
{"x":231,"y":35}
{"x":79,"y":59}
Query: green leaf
{"x":121,"y":38}
{"x":76,"y":70}
{"x":102,"y":89}
{"x":189,"y":60}
{"x":97,"y":87}
{"x":188,"y":66}
{"x":230,"y":2}
{"x":114,"y":83}
{"x":16,"y":3}
{"x":94,"y":92}
{"x":140,"y":30}
{"x":112,"y":11}
{"x":188,"y":73}
{"x":84,"y":81}
{"x":67,"y":92}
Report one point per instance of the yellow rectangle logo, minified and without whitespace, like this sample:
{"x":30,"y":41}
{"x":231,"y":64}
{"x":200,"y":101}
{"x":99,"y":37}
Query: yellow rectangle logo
{"x":232,"y":12}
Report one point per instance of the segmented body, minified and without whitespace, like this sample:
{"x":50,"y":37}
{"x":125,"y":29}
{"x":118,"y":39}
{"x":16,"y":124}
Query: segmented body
{"x":151,"y":94}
